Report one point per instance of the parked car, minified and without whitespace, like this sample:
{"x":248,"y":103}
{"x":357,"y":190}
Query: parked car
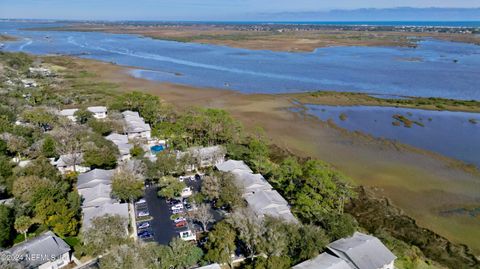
{"x":181,"y":224}
{"x":177,"y":211}
{"x":141,"y":201}
{"x":177,"y":206}
{"x":144,"y":233}
{"x":143,"y":225}
{"x":179,"y":219}
{"x":143,"y":213}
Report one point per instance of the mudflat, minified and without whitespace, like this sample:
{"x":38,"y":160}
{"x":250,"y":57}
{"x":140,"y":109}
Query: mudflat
{"x":292,"y":40}
{"x":421,"y":183}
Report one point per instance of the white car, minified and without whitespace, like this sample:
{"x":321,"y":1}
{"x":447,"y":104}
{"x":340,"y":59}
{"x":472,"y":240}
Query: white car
{"x":143,"y":213}
{"x":177,"y":211}
{"x":177,"y":220}
{"x":177,"y":207}
{"x":141,"y":201}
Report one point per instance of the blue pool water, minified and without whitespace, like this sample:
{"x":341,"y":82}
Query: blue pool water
{"x":453,"y":134}
{"x":156,"y":149}
{"x":440,"y":69}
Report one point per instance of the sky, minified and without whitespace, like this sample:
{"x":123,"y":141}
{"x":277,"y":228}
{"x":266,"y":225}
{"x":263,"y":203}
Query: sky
{"x":201,"y":9}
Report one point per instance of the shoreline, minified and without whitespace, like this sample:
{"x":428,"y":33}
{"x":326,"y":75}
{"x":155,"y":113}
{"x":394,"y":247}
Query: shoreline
{"x":420,"y":184}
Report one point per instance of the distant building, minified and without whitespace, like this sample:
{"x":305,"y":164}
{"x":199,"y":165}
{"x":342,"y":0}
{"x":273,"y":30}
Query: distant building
{"x":323,"y":261}
{"x":70,"y":163}
{"x":99,"y":112}
{"x":121,"y":141}
{"x":135,"y":126}
{"x":232,"y":165}
{"x":69,"y":113}
{"x":187,"y":235}
{"x":29,"y":83}
{"x":95,"y":187}
{"x":203,"y":157}
{"x":211,"y":266}
{"x":46,"y":251}
{"x":359,"y":251}
{"x":40,"y":72}
{"x":363,"y":251}
{"x":251,"y":183}
{"x":270,"y":203}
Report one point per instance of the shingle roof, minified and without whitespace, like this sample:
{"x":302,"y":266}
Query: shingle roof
{"x":323,"y":261}
{"x":68,"y":112}
{"x":46,"y":245}
{"x":94,"y":178}
{"x":135,"y":123}
{"x":107,"y":209}
{"x":117,"y":138}
{"x":96,"y":196}
{"x":270,"y":203}
{"x":250,"y":182}
{"x":231,"y":165}
{"x":362,"y":251}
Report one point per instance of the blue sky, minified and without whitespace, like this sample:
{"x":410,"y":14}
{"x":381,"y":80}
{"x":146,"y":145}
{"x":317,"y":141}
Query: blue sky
{"x":198,"y":10}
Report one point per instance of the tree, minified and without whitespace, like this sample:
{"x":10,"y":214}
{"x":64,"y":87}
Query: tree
{"x":25,"y":188}
{"x":186,"y":255}
{"x":69,"y":141}
{"x":100,"y":127}
{"x":211,"y":187}
{"x":339,"y":225}
{"x":221,"y":244}
{"x":17,"y":144}
{"x":203,"y":214}
{"x":123,"y":257}
{"x":49,"y":147}
{"x":6,"y":225}
{"x":126,"y":185}
{"x":39,"y":116}
{"x":137,"y":151}
{"x":100,"y":153}
{"x":250,"y":229}
{"x":6,"y":170}
{"x":22,"y":224}
{"x":170,"y":187}
{"x":230,"y":194}
{"x":104,"y":233}
{"x":83,"y":115}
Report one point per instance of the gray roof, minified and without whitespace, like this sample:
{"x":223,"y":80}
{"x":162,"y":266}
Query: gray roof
{"x":211,"y":266}
{"x":269,"y":203}
{"x":69,"y":160}
{"x":135,"y":123}
{"x":250,"y":182}
{"x":96,"y":196}
{"x":106,"y":209}
{"x":124,"y":148}
{"x":117,"y":138}
{"x":46,"y":245}
{"x":362,"y":251}
{"x":129,"y":113}
{"x":231,"y":165}
{"x":323,"y":261}
{"x":68,"y":112}
{"x":208,"y":152}
{"x":93,"y":178}
{"x":97,"y":109}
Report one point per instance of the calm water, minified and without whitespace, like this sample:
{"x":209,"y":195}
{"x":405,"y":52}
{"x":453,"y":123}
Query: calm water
{"x":434,"y":68}
{"x":448,"y":133}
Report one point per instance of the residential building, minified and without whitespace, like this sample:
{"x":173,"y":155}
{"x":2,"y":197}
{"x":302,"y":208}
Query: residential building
{"x":69,"y":113}
{"x":119,"y":209}
{"x":187,"y":235}
{"x":94,"y":178}
{"x":270,"y":203}
{"x":121,"y":141}
{"x":203,"y":157}
{"x":251,"y":183}
{"x":233,"y":165}
{"x":70,"y":163}
{"x":99,"y":112}
{"x":211,"y":266}
{"x":135,"y":126}
{"x":96,"y":196}
{"x":362,"y":251}
{"x":323,"y":261}
{"x":44,"y":251}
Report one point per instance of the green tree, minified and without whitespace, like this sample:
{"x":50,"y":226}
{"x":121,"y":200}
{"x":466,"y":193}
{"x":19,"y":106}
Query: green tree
{"x":221,"y":244}
{"x":83,"y":115}
{"x":250,"y":230}
{"x":49,"y":148}
{"x":6,"y":225}
{"x":6,"y":170}
{"x":22,"y":224}
{"x":126,"y":185}
{"x":186,"y":255}
{"x":39,"y":116}
{"x":100,"y":153}
{"x":211,"y":187}
{"x":137,"y":151}
{"x":339,"y":225}
{"x":230,"y":194}
{"x":170,"y":187}
{"x":100,"y":127}
{"x":103,"y":234}
{"x":25,"y":188}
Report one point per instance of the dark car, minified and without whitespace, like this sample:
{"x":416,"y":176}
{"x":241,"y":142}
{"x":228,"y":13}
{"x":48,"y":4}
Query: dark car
{"x":143,"y":234}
